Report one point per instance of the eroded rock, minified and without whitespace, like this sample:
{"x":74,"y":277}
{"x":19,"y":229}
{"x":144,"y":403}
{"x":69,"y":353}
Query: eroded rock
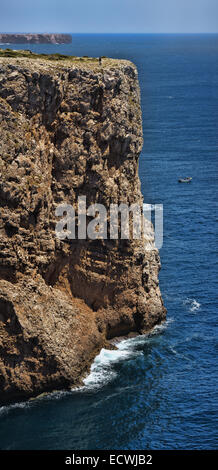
{"x":67,"y":130}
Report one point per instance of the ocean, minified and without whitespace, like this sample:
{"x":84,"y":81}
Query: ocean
{"x":156,"y":391}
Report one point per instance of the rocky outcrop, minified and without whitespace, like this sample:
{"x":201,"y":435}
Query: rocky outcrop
{"x":67,"y":129}
{"x":35,"y":38}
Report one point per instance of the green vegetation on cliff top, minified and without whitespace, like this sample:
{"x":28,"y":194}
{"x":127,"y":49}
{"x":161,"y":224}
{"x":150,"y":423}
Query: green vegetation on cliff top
{"x":32,"y":55}
{"x":61,"y":58}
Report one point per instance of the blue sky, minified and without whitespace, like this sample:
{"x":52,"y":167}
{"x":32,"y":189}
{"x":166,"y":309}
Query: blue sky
{"x":115,"y":16}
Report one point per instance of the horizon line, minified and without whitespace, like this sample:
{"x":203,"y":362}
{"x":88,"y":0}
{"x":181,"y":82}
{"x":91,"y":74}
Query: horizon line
{"x":111,"y":33}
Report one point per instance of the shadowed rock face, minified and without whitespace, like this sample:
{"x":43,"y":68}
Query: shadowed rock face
{"x":35,"y":38}
{"x":67,"y":130}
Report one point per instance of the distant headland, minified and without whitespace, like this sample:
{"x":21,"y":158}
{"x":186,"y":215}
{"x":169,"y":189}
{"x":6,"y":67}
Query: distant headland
{"x":35,"y":38}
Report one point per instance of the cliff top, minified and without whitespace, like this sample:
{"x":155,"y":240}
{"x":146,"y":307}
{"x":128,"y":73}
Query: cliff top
{"x":27,"y":57}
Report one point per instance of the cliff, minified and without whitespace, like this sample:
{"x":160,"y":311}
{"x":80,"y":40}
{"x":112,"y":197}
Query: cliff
{"x":68,"y":128}
{"x":35,"y":38}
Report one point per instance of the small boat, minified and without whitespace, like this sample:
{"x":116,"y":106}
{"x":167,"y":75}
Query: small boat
{"x":185,"y":180}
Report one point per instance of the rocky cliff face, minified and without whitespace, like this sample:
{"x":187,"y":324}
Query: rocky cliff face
{"x":67,"y":129}
{"x":35,"y":38}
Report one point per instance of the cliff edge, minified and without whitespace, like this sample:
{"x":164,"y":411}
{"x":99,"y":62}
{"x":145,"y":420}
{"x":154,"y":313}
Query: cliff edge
{"x":68,"y":128}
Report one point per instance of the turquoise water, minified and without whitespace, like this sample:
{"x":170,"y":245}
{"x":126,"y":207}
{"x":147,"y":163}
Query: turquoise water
{"x":159,"y":391}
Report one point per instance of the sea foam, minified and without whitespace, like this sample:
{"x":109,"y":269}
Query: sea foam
{"x":192,"y":304}
{"x":103,"y":371}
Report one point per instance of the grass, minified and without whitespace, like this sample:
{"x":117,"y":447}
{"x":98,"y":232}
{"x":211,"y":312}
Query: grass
{"x":59,"y":59}
{"x":32,"y":55}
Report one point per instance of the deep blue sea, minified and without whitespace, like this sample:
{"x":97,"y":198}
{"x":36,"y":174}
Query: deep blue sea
{"x":156,"y":391}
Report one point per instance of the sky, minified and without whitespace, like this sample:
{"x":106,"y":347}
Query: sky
{"x":109,"y":16}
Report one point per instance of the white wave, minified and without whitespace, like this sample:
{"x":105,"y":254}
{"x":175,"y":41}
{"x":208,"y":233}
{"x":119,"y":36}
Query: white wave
{"x":163,"y":326}
{"x":56,"y":394}
{"x":7,"y":408}
{"x":102,"y":370}
{"x":141,"y":339}
{"x":192,"y":304}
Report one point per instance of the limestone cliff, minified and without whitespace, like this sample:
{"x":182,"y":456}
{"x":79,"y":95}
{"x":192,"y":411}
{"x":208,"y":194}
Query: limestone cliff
{"x":35,"y":38}
{"x":68,"y":128}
